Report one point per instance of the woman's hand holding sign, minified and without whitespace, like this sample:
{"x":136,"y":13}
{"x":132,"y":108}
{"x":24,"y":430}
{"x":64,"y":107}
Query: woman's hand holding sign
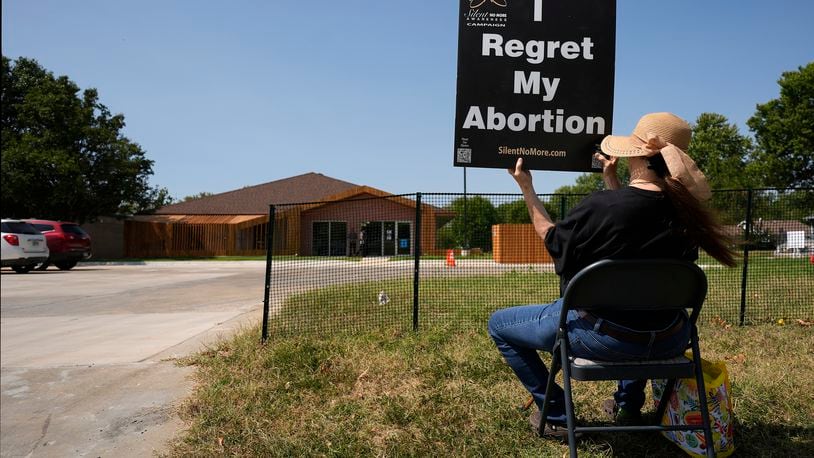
{"x":521,"y":175}
{"x":539,"y":216}
{"x":609,"y":175}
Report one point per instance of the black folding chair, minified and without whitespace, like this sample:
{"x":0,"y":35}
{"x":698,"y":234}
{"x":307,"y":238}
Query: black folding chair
{"x":638,"y":285}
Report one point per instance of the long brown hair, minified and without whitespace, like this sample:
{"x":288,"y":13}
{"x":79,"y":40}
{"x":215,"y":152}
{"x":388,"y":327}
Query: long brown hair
{"x":699,"y":222}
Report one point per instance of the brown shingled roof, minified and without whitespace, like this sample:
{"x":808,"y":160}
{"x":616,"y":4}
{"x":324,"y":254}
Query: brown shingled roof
{"x":255,"y":200}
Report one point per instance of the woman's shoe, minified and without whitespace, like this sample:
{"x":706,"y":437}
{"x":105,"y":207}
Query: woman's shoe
{"x":619,"y":416}
{"x":553,"y":431}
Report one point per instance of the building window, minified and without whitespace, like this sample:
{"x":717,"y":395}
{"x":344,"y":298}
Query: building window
{"x":330,"y":238}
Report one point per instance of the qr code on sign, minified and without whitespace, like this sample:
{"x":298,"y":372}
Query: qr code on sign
{"x":465,"y":155}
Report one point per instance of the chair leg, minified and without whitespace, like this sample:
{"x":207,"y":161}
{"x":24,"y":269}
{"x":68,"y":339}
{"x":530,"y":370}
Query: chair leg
{"x":702,"y":395}
{"x":665,"y":400}
{"x":569,"y":405}
{"x":552,"y":374}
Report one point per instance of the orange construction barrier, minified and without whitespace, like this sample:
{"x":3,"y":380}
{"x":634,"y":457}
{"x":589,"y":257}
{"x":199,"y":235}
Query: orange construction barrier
{"x":450,"y":258}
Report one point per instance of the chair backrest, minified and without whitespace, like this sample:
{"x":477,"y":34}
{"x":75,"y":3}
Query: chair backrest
{"x":638,"y":284}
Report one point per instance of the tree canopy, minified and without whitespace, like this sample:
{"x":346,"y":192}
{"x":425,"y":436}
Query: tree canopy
{"x":200,"y":195}
{"x":784,"y":132}
{"x":592,"y":182}
{"x":472,"y":224}
{"x":515,"y":212}
{"x":64,"y":155}
{"x":721,"y":152}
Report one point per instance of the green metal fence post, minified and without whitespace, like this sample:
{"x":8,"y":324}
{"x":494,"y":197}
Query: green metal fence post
{"x":747,"y":240}
{"x":467,"y":235}
{"x":417,"y":265}
{"x":267,"y":294}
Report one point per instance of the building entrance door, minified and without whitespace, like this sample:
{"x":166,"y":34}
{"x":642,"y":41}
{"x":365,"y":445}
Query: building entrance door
{"x":386,"y":238}
{"x":389,"y":238}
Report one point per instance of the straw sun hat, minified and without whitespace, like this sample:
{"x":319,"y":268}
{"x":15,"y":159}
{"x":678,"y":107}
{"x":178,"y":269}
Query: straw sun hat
{"x":669,"y":135}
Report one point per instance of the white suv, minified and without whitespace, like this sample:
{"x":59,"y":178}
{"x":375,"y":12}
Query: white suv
{"x":23,"y":247}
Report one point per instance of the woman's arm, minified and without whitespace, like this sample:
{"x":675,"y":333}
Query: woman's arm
{"x":539,"y":216}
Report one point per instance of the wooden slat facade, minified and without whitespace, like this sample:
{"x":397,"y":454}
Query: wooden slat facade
{"x":287,"y":232}
{"x":198,"y":236}
{"x":518,"y":244}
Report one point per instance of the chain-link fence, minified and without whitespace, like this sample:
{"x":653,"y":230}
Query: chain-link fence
{"x":427,"y":260}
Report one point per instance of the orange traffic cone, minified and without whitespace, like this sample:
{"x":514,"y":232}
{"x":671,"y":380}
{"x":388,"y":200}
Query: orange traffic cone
{"x":450,"y":258}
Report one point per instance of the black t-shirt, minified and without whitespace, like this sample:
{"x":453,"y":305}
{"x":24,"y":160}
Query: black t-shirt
{"x":627,"y":223}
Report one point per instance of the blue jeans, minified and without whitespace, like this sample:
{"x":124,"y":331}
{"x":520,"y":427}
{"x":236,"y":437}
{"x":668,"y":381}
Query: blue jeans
{"x":520,"y":331}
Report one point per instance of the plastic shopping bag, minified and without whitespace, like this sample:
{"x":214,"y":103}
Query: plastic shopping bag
{"x":684,"y":409}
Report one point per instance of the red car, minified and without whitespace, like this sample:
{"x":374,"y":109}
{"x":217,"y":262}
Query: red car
{"x":67,"y":242}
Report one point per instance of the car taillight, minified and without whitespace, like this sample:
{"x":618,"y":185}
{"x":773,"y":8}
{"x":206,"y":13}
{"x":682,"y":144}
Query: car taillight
{"x":12,"y":239}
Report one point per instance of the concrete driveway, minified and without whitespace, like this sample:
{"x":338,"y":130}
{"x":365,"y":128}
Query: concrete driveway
{"x":87,"y":354}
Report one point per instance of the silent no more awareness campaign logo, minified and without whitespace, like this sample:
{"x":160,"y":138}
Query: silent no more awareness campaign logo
{"x":486,"y":14}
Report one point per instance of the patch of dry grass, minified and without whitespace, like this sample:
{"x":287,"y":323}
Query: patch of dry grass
{"x":447,"y":392}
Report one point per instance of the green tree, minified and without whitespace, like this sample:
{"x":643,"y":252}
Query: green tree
{"x":472,"y":224}
{"x":584,"y":184}
{"x":64,"y":156}
{"x":721,"y":152}
{"x":200,"y":195}
{"x":515,"y":212}
{"x":592,"y":182}
{"x":784,"y":132}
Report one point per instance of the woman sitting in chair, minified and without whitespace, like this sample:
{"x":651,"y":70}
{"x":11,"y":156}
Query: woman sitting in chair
{"x":660,"y":214}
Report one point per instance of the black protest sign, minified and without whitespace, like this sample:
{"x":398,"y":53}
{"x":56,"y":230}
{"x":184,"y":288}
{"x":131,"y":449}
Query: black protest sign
{"x":535,"y":80}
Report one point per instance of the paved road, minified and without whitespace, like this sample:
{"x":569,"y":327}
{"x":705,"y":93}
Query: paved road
{"x":85,"y":368}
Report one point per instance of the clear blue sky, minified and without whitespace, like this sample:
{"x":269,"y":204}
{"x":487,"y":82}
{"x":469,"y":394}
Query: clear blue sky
{"x":223,"y":95}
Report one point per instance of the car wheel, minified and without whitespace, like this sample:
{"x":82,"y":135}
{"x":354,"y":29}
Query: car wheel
{"x":23,"y":269}
{"x":65,"y":265}
{"x":44,"y":265}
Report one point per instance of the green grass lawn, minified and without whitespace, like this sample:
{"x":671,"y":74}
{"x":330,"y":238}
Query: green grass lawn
{"x":355,"y":307}
{"x":776,"y":289}
{"x":447,"y":392}
{"x":345,"y":375}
